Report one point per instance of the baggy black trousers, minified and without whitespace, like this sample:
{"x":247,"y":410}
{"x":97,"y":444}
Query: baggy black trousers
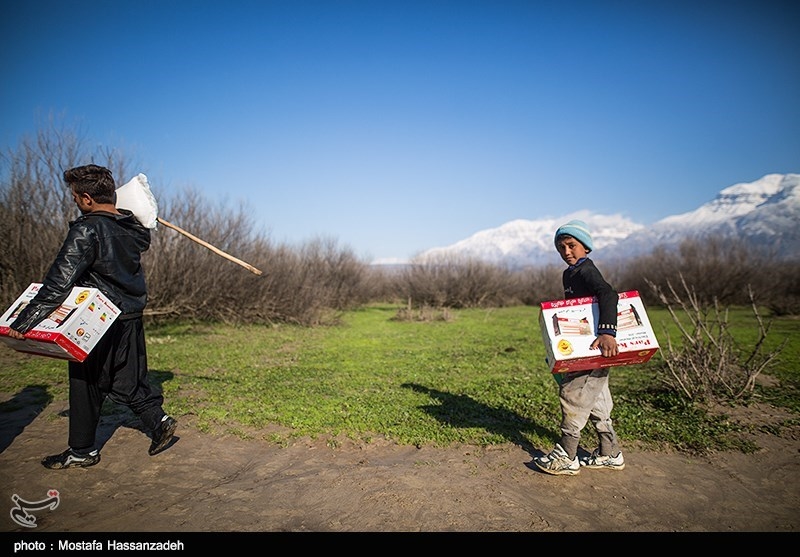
{"x":116,"y":368}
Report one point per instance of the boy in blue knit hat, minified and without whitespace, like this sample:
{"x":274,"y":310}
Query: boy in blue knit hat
{"x":584,"y":395}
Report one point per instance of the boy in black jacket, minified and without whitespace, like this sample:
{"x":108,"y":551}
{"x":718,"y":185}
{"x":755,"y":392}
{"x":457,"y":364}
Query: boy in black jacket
{"x":584,"y":395}
{"x":102,"y":250}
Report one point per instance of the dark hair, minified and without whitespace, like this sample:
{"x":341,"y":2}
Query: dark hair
{"x":94,"y":180}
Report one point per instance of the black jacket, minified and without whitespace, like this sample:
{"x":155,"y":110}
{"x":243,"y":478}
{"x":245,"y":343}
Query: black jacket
{"x":584,"y":279}
{"x":102,"y":250}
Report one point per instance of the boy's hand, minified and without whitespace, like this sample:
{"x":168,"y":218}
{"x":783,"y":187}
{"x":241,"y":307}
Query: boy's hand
{"x":607,"y":345}
{"x":15,"y":334}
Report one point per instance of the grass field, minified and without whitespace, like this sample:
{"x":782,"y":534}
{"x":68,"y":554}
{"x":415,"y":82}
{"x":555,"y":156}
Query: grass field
{"x":476,"y":377}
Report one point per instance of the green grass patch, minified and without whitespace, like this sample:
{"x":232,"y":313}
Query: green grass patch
{"x":478,"y":377}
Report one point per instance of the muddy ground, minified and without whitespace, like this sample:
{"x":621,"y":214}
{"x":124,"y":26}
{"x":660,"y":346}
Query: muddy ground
{"x":211,"y":483}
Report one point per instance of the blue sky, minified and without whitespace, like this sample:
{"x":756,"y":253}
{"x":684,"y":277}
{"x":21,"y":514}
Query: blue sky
{"x":395,"y":127}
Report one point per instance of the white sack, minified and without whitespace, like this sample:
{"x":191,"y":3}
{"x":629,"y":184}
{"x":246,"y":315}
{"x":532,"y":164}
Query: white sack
{"x":137,"y":198}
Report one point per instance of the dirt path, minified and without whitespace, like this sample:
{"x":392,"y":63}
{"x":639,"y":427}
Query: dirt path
{"x":205,"y":483}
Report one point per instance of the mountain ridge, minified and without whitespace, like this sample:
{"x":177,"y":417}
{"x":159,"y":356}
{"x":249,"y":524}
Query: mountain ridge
{"x":763,"y":214}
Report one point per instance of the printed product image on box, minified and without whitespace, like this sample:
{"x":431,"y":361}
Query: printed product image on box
{"x":569,"y":327}
{"x":70,"y":331}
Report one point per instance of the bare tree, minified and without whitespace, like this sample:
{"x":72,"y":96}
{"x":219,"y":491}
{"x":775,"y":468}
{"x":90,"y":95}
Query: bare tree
{"x":717,"y":269}
{"x":706,"y":364}
{"x":457,"y":282}
{"x":186,"y":281}
{"x":35,"y":205}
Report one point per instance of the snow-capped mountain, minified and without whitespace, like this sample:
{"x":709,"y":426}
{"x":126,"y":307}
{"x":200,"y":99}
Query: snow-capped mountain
{"x":521,"y":243}
{"x":764,"y":214}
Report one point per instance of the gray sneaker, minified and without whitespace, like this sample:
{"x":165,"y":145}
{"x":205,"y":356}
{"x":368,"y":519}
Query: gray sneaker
{"x":558,"y":463}
{"x":596,"y":460}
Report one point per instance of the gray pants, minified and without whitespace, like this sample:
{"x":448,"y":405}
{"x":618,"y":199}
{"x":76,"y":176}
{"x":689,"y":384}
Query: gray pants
{"x":584,"y":397}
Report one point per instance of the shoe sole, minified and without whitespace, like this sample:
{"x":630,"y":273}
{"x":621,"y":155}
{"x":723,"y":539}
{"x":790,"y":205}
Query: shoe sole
{"x":562,"y":472}
{"x":604,"y":467}
{"x":166,"y":437}
{"x":70,"y":464}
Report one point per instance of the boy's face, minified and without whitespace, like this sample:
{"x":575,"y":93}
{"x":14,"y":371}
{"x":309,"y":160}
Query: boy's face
{"x":570,"y":250}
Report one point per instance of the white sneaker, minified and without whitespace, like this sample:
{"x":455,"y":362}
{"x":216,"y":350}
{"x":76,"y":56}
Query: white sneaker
{"x":596,"y":460}
{"x":558,"y":463}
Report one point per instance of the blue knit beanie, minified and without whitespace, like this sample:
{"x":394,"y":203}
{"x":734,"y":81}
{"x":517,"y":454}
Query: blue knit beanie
{"x":578,"y":230}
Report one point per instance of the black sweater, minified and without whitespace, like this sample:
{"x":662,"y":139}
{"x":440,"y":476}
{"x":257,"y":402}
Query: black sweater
{"x":584,"y":279}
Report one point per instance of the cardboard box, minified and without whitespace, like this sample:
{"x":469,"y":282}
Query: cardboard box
{"x":70,"y":332}
{"x":570,"y":326}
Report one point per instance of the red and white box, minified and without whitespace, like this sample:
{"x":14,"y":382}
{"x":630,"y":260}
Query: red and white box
{"x":570,"y":326}
{"x":70,"y":332}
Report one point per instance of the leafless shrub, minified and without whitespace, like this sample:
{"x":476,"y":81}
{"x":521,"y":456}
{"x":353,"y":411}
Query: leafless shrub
{"x":422,"y":314}
{"x":457,"y":282}
{"x":539,"y":284}
{"x":782,"y":296}
{"x":35,"y":205}
{"x":383,"y":283}
{"x":707,"y":365}
{"x":305,"y":286}
{"x":186,"y":281}
{"x":335,"y":274}
{"x":719,"y":270}
{"x":309,"y":284}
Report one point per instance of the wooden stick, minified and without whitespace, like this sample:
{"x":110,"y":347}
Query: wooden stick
{"x":209,"y":246}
